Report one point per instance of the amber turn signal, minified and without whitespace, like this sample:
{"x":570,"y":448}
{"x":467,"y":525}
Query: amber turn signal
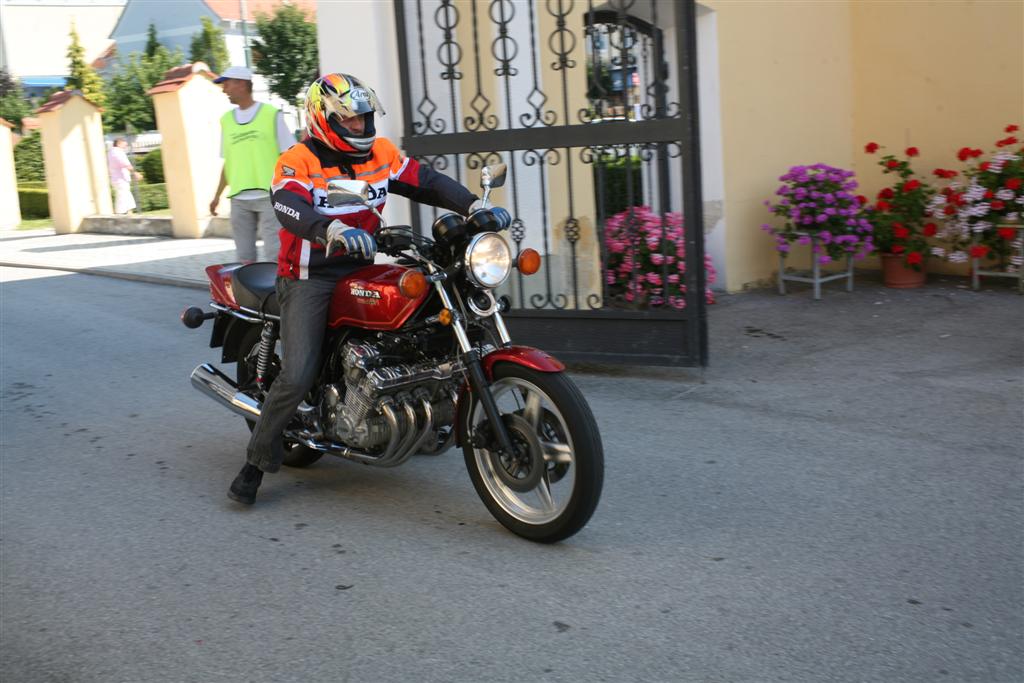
{"x":529,"y":261}
{"x":444,"y":317}
{"x":413,"y":284}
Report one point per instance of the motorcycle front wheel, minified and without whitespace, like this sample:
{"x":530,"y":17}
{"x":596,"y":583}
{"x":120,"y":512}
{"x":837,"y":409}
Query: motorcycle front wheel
{"x":551,"y":493}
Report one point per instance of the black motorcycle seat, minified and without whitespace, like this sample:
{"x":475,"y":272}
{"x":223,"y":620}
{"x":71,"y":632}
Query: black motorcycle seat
{"x":254,"y":288}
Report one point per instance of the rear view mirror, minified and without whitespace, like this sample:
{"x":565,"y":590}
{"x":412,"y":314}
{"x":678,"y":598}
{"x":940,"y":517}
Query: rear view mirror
{"x":343,"y":192}
{"x":492,"y":176}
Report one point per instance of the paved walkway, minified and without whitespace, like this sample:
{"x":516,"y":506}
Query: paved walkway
{"x":160,"y":260}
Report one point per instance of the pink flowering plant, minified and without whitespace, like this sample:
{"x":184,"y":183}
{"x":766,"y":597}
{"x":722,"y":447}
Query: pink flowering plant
{"x":646,"y":261}
{"x":819,"y":201}
{"x":978,"y":209}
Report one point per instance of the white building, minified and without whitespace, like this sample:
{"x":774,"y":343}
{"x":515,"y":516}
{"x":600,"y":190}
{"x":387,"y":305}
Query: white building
{"x":35,"y":35}
{"x":177,"y":22}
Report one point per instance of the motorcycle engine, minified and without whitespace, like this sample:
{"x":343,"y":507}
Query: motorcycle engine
{"x":351,"y":413}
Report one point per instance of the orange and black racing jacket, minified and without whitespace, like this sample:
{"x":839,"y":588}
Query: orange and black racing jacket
{"x":299,"y":194}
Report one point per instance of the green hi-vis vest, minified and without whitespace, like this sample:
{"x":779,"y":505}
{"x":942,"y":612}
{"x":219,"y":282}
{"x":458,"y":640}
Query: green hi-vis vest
{"x":250,"y":150}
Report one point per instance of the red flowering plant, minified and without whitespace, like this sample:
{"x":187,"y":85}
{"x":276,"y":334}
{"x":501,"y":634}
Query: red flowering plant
{"x":819,"y":201}
{"x":901,"y":210}
{"x":646,"y":262}
{"x":977,"y":209}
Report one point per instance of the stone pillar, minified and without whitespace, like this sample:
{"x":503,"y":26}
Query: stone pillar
{"x":188,"y":110}
{"x":10,"y":213}
{"x":75,"y":159}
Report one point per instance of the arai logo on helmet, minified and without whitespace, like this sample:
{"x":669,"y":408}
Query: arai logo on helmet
{"x":359,"y":95}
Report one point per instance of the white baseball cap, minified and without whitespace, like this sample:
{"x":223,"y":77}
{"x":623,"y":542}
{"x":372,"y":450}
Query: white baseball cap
{"x":241,"y":73}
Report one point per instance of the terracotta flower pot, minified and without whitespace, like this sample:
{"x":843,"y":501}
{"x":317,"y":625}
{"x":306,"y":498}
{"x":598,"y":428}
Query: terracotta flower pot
{"x":899,"y":276}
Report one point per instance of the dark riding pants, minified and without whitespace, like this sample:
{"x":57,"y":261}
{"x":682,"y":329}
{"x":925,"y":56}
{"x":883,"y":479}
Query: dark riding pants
{"x":304,"y":306}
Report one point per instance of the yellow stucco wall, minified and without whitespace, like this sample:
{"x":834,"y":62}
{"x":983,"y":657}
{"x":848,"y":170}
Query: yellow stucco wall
{"x":935,"y":75}
{"x":10,"y":212}
{"x":76,"y":164}
{"x":806,"y":82}
{"x":189,"y":120}
{"x":786,"y":99}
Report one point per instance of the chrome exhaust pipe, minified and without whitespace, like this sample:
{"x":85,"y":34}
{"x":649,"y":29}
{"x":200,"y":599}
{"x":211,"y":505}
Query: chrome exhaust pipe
{"x":410,"y":432}
{"x":421,"y":437}
{"x":218,"y":386}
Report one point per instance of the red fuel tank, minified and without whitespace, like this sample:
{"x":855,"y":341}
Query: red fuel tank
{"x":370,"y":298}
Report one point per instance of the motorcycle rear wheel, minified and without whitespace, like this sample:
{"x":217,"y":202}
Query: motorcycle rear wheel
{"x":296,"y":455}
{"x":548,"y":406}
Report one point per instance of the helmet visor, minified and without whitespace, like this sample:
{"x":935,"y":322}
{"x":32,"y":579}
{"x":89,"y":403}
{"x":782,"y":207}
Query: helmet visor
{"x":355,"y":101}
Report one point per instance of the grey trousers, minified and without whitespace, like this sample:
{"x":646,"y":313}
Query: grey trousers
{"x":250,"y":219}
{"x":304,"y":306}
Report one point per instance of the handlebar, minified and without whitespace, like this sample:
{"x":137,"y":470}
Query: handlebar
{"x":395,"y":240}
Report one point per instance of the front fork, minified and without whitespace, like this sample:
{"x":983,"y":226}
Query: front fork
{"x":478,"y":381}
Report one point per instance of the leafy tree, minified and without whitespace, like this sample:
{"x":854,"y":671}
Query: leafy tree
{"x":152,"y":43}
{"x":285,"y":52}
{"x":208,"y":46}
{"x":129,"y":105}
{"x":28,"y":158}
{"x":13,"y":104}
{"x":82,"y":76}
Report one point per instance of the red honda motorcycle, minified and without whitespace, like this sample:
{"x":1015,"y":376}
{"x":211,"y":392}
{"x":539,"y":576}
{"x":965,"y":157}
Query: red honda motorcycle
{"x":416,"y":357}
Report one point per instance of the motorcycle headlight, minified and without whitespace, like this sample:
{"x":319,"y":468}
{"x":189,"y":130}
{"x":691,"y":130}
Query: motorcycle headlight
{"x":488,"y":260}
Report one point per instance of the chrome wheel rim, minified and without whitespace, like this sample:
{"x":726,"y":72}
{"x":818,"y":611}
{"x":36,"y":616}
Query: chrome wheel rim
{"x":550,"y":498}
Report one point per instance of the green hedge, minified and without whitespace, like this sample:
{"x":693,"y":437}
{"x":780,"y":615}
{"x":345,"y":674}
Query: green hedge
{"x":615,"y":177}
{"x":150,"y":197}
{"x":152,"y":167}
{"x":35,"y":202}
{"x":32,"y":185}
{"x":153,"y":197}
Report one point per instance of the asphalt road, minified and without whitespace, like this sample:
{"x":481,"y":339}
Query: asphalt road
{"x":830,"y":501}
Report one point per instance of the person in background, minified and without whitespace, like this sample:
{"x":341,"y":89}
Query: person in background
{"x":121,"y":174}
{"x":252,"y":137}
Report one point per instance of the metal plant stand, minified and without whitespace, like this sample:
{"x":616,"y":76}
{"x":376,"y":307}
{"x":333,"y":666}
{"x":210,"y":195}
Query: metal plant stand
{"x":976,"y":271}
{"x":816,"y":279}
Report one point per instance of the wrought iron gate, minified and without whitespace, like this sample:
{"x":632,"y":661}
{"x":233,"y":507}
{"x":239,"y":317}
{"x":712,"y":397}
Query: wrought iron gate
{"x":593,"y":106}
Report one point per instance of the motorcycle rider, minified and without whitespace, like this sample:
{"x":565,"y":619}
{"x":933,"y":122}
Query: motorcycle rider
{"x":341,"y":143}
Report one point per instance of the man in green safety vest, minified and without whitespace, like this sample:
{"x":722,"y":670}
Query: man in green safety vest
{"x":252,"y":137}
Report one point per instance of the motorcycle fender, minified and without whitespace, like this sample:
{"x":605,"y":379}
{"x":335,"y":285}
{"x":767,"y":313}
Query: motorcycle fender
{"x":221,"y":325}
{"x":527,"y":356}
{"x":234,"y":331}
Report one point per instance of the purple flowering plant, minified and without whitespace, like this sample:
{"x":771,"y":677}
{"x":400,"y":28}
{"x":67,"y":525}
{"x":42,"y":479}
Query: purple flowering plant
{"x":819,"y":200}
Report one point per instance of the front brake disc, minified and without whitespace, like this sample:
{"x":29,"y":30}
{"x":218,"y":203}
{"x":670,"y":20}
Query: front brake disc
{"x":523,"y":470}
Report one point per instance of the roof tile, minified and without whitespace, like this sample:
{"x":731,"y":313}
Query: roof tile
{"x":60,"y":98}
{"x":178,"y":76}
{"x":229,"y":10}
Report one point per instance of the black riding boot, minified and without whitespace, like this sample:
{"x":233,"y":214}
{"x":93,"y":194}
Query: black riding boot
{"x":243,"y":488}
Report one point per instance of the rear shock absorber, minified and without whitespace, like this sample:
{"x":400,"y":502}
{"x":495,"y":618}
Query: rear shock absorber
{"x":268,"y":337}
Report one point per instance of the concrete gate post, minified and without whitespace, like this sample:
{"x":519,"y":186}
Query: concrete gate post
{"x":75,"y":159}
{"x":188,"y":110}
{"x":10,"y":212}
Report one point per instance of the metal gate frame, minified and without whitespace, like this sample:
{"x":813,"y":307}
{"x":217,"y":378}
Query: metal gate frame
{"x":654,"y":337}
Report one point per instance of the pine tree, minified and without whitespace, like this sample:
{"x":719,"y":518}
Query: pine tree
{"x":129,"y":104}
{"x":208,"y":46}
{"x":13,"y":103}
{"x":81,"y":76}
{"x":28,"y":159}
{"x":152,"y":44}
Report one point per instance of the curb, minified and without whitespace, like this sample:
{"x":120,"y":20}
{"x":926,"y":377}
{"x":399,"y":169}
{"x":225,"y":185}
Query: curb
{"x":165,"y":280}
